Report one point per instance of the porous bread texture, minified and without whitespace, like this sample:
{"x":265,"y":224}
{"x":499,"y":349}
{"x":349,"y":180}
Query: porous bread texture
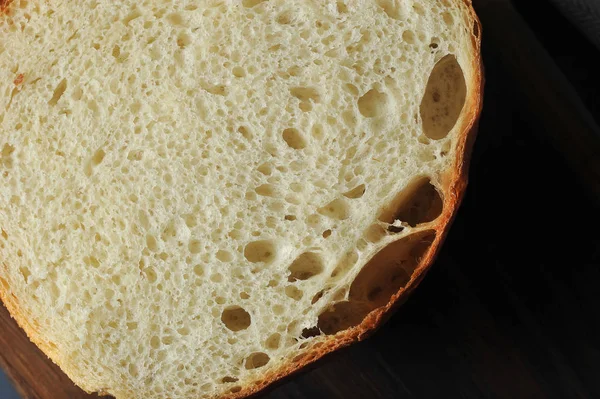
{"x":195,"y":195}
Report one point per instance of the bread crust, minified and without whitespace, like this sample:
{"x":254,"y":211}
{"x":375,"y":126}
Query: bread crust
{"x":4,"y":5}
{"x":453,"y":187}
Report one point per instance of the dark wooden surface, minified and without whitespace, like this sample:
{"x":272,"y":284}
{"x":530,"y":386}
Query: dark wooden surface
{"x":511,"y":308}
{"x":33,"y":375}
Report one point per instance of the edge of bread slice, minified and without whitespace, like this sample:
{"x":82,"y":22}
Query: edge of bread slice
{"x":412,"y":229}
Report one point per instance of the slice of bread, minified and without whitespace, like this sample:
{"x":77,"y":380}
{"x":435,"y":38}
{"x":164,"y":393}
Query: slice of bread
{"x":198,"y":198}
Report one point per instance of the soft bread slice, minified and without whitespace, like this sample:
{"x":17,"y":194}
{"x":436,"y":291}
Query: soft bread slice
{"x":200,"y":197}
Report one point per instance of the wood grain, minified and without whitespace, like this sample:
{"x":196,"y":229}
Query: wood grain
{"x":32,"y":373}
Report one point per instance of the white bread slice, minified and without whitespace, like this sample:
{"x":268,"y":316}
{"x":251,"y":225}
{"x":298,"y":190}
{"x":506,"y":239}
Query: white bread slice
{"x":198,"y":198}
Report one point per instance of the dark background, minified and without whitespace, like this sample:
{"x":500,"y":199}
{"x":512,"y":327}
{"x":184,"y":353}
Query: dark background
{"x":510,"y":308}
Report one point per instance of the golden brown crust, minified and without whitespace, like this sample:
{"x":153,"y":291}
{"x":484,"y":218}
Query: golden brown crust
{"x":454,"y":188}
{"x":4,"y":6}
{"x":10,"y":302}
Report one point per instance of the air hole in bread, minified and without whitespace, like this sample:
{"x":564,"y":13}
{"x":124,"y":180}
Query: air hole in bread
{"x":307,"y":96}
{"x":350,"y":88}
{"x":311,"y":332}
{"x":238,"y":72}
{"x":362,"y":245}
{"x":342,"y":8}
{"x":448,"y":18}
{"x":266,"y":169}
{"x":278,"y":309}
{"x":260,"y":251}
{"x":356,"y":192}
{"x":373,"y":103}
{"x":409,"y":36}
{"x":317,"y":296}
{"x":265,"y":190}
{"x":389,"y":271}
{"x":6,"y":159}
{"x":236,"y":318}
{"x":273,"y":341}
{"x":199,"y":270}
{"x":420,"y":202}
{"x":116,"y":51}
{"x":252,"y":3}
{"x":91,"y":261}
{"x":228,"y":380}
{"x":390,"y":7}
{"x":151,"y":243}
{"x":444,"y":98}
{"x":25,"y":273}
{"x":336,"y":209}
{"x":306,"y":106}
{"x":58,"y":92}
{"x":294,"y":139}
{"x":307,"y":265}
{"x":224,"y":256}
{"x":256,"y":360}
{"x":183,"y":331}
{"x":218,"y":90}
{"x":195,"y":246}
{"x":169,"y":232}
{"x":326,"y":233}
{"x":342,"y":316}
{"x":305,"y":93}
{"x":293,"y":292}
{"x":150,"y":274}
{"x":395,"y":229}
{"x":155,"y":342}
{"x":95,"y":160}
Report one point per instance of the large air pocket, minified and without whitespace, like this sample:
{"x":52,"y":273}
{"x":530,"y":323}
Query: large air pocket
{"x":444,"y":98}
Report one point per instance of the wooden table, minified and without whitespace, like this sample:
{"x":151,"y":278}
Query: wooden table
{"x":510,"y":309}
